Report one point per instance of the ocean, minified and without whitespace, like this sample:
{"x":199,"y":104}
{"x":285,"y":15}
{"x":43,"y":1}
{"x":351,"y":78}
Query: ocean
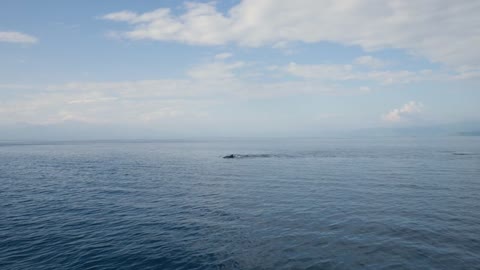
{"x":311,"y":203}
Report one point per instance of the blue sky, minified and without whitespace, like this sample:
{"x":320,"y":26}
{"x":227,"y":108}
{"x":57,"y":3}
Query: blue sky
{"x":247,"y":67}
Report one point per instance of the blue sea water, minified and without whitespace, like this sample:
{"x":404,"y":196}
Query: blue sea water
{"x":330,"y":203}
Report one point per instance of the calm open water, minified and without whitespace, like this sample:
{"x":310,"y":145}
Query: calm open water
{"x":376,"y":203}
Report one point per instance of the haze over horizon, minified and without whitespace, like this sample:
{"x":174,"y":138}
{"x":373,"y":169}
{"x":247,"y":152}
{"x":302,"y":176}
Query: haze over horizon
{"x":144,"y":69}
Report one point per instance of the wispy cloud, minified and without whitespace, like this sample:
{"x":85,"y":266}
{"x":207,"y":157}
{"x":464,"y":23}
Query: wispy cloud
{"x":350,"y":72}
{"x":369,"y":61}
{"x":223,"y":56}
{"x":17,"y":37}
{"x":215,"y":71}
{"x":145,"y":101}
{"x":121,"y":16}
{"x":97,"y":107}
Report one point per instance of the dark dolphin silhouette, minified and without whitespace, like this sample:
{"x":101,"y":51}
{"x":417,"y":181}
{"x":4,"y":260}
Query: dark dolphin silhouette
{"x":230,"y":156}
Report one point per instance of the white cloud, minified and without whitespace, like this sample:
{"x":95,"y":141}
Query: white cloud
{"x":122,"y":16}
{"x":335,"y":72}
{"x":223,"y":56}
{"x":369,"y":61}
{"x":97,"y":108}
{"x":408,"y":112}
{"x":155,"y":88}
{"x":321,"y":71}
{"x":201,"y":24}
{"x":17,"y":37}
{"x":215,"y":71}
{"x":443,"y":31}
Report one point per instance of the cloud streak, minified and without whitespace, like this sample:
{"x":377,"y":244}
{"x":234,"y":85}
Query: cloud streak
{"x":17,"y":37}
{"x":354,"y":72}
{"x":369,"y":61}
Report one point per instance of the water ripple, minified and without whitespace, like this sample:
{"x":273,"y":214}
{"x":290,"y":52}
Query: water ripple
{"x":315,"y":204}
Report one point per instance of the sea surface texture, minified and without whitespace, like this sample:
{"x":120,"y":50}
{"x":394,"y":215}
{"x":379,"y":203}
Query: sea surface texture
{"x":332,"y":203}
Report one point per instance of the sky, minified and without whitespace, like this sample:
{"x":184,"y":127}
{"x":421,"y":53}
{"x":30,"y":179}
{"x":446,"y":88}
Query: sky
{"x":236,"y":68}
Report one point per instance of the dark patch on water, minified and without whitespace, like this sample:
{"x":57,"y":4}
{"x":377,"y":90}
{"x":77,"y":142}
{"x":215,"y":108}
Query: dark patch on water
{"x":463,"y":154}
{"x":239,"y":156}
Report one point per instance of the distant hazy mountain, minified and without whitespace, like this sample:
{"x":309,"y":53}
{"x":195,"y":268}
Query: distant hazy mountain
{"x":462,"y":129}
{"x":72,"y":130}
{"x":469,"y":133}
